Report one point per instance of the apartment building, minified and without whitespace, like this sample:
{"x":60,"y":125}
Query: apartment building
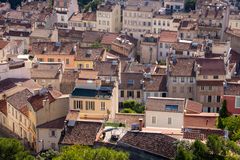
{"x":164,"y":22}
{"x":174,"y":5}
{"x":64,"y":10}
{"x":109,"y":17}
{"x":83,"y":21}
{"x":55,"y":52}
{"x":213,"y":20}
{"x":137,"y":20}
{"x":86,"y":57}
{"x":181,"y":79}
{"x":149,"y":48}
{"x":48,"y":74}
{"x":96,"y":103}
{"x":234,"y":20}
{"x":166,"y":40}
{"x":210,"y":75}
{"x":162,"y":112}
{"x":188,"y":29}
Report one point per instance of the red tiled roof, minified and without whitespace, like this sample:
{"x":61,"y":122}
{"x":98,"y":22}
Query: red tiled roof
{"x":57,"y":123}
{"x":168,"y":36}
{"x":155,"y":143}
{"x":83,"y":133}
{"x":209,"y":83}
{"x":37,"y":100}
{"x":211,"y":66}
{"x":108,"y":38}
{"x":200,"y":133}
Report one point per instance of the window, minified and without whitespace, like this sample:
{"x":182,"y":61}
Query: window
{"x":40,"y":59}
{"x":16,"y":116}
{"x":171,"y":107}
{"x":210,"y":88}
{"x":202,"y":88}
{"x":102,"y":106}
{"x":174,"y":89}
{"x":218,"y":99}
{"x":52,"y":133}
{"x":50,"y":60}
{"x":59,"y":60}
{"x":161,"y":45}
{"x":154,"y":119}
{"x":67,"y":61}
{"x":237,"y":102}
{"x":62,"y":18}
{"x":87,"y":66}
{"x":78,"y":104}
{"x":90,"y":105}
{"x":138,"y":94}
{"x":169,"y":120}
{"x":205,"y":77}
{"x":20,"y":117}
{"x":215,"y":77}
{"x":122,"y":93}
{"x":182,"y":79}
{"x":147,"y":94}
{"x":156,"y":94}
{"x":190,"y":89}
{"x":191,"y":79}
{"x":130,"y":94}
{"x":174,"y":79}
{"x":209,"y":98}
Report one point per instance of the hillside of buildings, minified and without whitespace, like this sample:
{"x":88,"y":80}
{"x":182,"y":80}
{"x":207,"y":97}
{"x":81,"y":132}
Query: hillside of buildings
{"x":141,"y":79}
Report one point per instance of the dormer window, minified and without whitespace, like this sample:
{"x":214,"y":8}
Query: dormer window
{"x":130,"y":82}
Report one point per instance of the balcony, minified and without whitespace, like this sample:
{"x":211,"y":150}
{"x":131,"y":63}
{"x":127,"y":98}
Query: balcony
{"x":210,"y":26}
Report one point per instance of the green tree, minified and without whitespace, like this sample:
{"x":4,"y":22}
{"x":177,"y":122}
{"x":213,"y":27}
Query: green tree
{"x":223,"y":113}
{"x":78,"y":152}
{"x":183,"y":154}
{"x":96,"y":45}
{"x":199,"y":150}
{"x":48,"y":155}
{"x":12,"y":149}
{"x":134,"y":105}
{"x":232,"y":124}
{"x":127,"y":110}
{"x":216,"y":146}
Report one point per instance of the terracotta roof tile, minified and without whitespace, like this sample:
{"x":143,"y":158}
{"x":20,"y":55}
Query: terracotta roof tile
{"x":211,"y":66}
{"x":156,"y":83}
{"x":183,"y":67}
{"x":200,"y":133}
{"x":168,"y":36}
{"x":155,"y":143}
{"x":131,"y":81}
{"x":19,"y":99}
{"x":83,"y":133}
{"x":56,"y":123}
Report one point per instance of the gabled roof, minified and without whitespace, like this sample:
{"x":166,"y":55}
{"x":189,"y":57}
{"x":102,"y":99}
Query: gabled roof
{"x":37,"y":100}
{"x":19,"y":100}
{"x":211,"y":66}
{"x":82,"y":133}
{"x":183,"y":67}
{"x":56,"y":123}
{"x":155,"y":143}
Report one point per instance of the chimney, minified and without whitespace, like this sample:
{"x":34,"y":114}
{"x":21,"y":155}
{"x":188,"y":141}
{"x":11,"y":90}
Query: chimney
{"x":140,"y":124}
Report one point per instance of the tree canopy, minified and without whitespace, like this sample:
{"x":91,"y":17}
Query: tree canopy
{"x":12,"y":149}
{"x":216,"y":148}
{"x":190,"y":5}
{"x":77,"y":152}
{"x":132,"y":106}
